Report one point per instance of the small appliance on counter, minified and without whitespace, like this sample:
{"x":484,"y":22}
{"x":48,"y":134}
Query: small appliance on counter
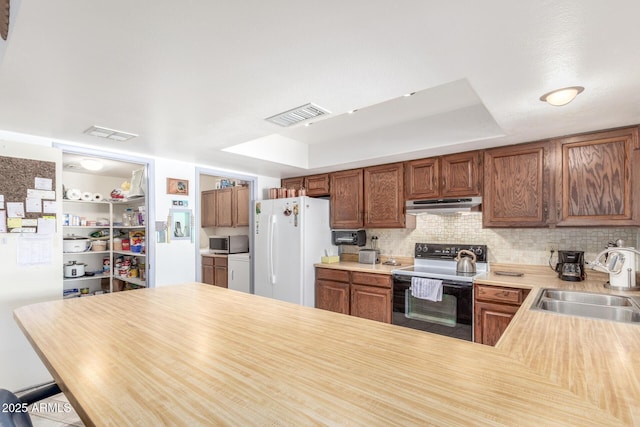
{"x":370,"y":255}
{"x":570,"y":266}
{"x":349,"y":237}
{"x":620,"y":263}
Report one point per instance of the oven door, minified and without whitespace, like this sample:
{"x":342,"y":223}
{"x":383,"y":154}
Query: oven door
{"x":453,"y":316}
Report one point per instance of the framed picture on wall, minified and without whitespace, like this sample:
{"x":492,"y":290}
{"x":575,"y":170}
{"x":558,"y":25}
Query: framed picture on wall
{"x":178,"y":186}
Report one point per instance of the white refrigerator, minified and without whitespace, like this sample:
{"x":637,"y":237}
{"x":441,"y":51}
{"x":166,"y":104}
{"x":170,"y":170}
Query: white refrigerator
{"x":290,"y":236}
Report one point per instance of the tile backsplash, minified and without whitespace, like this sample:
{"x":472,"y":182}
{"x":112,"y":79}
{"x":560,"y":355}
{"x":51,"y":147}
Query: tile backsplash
{"x":505,"y":245}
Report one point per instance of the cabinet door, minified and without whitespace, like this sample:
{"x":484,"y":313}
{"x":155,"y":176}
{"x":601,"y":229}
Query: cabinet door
{"x":384,"y":196}
{"x":207,"y":271}
{"x":221,"y":277}
{"x":241,"y":211}
{"x":224,"y":204}
{"x":208,"y":209}
{"x":347,"y":199}
{"x":317,"y":185}
{"x":596,"y":183}
{"x":371,"y":303}
{"x":461,"y":175}
{"x":220,"y":272}
{"x":332,"y":296}
{"x":491,"y":320}
{"x":516,"y":186}
{"x":422,"y":178}
{"x":295,"y":183}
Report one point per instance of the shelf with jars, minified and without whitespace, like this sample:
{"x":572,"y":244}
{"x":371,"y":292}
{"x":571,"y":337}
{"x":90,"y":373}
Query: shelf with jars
{"x":100,"y":239}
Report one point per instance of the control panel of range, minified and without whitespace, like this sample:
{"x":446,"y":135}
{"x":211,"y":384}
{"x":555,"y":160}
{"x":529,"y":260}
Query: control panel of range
{"x":448,"y":251}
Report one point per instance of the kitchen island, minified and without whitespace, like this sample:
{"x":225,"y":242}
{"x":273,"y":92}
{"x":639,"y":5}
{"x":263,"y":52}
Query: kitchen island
{"x":194,"y":354}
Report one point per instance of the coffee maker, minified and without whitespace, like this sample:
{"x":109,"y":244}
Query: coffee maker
{"x":570,"y":266}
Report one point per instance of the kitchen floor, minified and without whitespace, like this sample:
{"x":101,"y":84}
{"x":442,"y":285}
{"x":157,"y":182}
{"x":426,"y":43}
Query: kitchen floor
{"x":55,"y":411}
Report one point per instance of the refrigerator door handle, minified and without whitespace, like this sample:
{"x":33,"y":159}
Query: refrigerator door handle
{"x":270,"y":255}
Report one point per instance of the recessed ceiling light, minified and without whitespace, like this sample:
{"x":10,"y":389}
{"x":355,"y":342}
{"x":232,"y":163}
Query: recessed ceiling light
{"x":409,"y":94}
{"x":112,"y":134}
{"x":562,"y":96}
{"x":308,"y":124}
{"x":352,"y":111}
{"x":91,"y":164}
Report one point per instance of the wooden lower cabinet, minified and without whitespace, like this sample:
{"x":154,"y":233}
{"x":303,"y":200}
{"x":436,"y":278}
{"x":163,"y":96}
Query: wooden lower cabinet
{"x":494,"y":307}
{"x":371,"y":303}
{"x":365,"y":295}
{"x":332,"y":290}
{"x":214,"y":271}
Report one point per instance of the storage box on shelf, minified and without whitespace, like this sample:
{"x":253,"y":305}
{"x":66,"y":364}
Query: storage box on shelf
{"x":103,"y":260}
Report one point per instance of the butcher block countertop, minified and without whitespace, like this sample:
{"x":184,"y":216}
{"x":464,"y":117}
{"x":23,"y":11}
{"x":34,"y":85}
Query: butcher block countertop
{"x":195,"y":354}
{"x":598,"y":360}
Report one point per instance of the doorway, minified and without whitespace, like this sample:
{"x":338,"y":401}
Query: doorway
{"x":108,"y":199}
{"x":224,"y":202}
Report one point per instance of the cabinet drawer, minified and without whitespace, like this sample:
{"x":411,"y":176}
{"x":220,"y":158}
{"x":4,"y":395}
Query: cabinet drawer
{"x":371,"y":279}
{"x":331,"y":274}
{"x":220,"y":261}
{"x":207,"y":260}
{"x":497,"y":294}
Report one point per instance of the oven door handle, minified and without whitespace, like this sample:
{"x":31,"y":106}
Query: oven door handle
{"x":407,"y":279}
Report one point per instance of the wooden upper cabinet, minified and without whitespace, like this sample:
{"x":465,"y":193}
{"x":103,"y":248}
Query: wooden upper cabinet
{"x":208,"y":208}
{"x":384,"y":196}
{"x":241,"y":204}
{"x":317,"y":185}
{"x":461,"y":174}
{"x":226,"y":207}
{"x":224,"y":210}
{"x":347,"y":199}
{"x":295,"y":183}
{"x":422,"y":178}
{"x":595,"y":186}
{"x":455,"y":175}
{"x":516,"y":186}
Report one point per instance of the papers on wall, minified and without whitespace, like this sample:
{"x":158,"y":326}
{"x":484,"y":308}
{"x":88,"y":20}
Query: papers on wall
{"x":1,"y":201}
{"x":43,"y":184}
{"x":3,"y":221}
{"x":35,"y":249}
{"x":15,"y":209}
{"x":41,"y":194}
{"x":34,"y":205}
{"x":46,"y":225}
{"x":49,"y":206}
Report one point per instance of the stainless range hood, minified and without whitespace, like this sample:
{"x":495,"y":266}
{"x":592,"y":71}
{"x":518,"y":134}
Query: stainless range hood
{"x":436,"y":206}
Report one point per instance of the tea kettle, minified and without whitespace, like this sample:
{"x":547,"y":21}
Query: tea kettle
{"x":466,"y":264}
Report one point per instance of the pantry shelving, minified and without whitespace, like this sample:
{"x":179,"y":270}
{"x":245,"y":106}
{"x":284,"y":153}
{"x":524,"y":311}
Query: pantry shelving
{"x":119,"y":266}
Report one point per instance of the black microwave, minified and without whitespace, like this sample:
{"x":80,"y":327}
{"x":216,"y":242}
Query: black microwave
{"x":229,"y":244}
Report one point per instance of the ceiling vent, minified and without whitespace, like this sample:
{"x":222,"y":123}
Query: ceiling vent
{"x":298,"y":115}
{"x":114,"y":135}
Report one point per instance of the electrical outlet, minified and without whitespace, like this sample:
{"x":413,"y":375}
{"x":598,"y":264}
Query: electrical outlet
{"x":551,"y":246}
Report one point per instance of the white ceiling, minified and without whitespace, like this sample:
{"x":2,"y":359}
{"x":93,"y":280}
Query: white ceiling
{"x":195,"y":78}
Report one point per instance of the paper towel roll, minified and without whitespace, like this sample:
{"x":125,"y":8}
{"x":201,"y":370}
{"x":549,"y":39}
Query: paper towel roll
{"x":74,"y":194}
{"x":86,"y":196}
{"x":97,"y":197}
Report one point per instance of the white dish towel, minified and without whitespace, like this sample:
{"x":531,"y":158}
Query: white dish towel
{"x":429,"y":289}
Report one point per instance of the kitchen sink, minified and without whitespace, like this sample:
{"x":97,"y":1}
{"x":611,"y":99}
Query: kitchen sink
{"x":592,"y":305}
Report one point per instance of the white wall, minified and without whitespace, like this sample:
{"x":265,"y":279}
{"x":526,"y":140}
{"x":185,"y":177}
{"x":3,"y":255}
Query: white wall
{"x":20,"y":285}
